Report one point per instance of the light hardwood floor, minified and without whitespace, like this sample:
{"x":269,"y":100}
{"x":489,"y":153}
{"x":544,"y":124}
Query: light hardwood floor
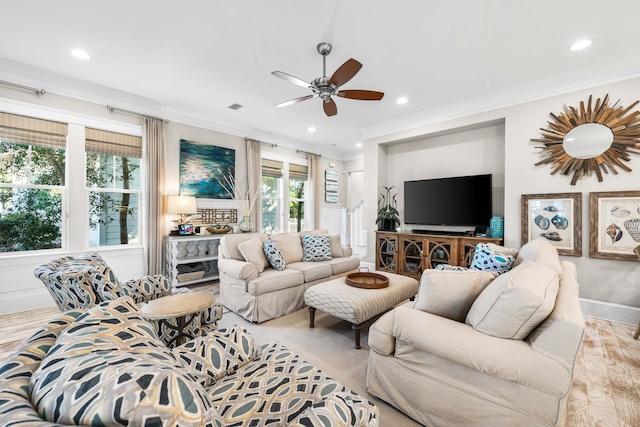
{"x":606,"y":390}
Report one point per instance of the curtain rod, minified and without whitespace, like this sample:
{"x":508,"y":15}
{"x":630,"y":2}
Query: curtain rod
{"x":113,"y":109}
{"x":38,"y":92}
{"x":272,"y":144}
{"x":306,"y":152}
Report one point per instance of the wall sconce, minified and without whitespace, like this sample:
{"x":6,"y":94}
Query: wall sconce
{"x":183,"y":206}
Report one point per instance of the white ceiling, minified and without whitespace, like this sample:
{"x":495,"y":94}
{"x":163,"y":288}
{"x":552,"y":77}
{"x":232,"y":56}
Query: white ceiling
{"x":189,"y":60}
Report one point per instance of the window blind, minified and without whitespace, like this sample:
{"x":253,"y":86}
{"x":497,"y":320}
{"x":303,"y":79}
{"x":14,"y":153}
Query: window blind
{"x":17,"y":129}
{"x":112,"y":143}
{"x":297,"y":171}
{"x":271,"y":168}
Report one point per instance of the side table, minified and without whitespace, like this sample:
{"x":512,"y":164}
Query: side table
{"x":182,"y":307}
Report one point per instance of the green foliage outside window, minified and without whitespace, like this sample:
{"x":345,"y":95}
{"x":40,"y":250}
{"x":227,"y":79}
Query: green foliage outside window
{"x":31,"y":208}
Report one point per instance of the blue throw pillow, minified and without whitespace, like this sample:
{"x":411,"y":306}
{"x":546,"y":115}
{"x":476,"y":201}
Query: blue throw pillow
{"x":274,"y":255}
{"x":486,"y":259}
{"x":316,"y":247}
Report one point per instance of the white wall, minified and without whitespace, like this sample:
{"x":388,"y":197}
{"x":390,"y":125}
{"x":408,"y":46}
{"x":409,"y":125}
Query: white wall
{"x":609,"y":288}
{"x":460,"y":153}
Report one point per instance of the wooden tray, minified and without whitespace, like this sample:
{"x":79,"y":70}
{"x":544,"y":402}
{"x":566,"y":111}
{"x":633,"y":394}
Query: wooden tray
{"x":367,"y":280}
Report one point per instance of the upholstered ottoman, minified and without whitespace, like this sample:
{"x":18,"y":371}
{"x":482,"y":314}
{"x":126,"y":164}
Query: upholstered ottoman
{"x":357,"y":305}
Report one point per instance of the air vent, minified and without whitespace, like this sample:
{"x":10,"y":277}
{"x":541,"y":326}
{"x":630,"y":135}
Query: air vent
{"x":235,"y":106}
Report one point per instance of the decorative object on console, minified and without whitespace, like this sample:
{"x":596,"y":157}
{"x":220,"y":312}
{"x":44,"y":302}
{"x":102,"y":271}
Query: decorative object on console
{"x":555,"y":217}
{"x":590,"y":139}
{"x":388,"y":216}
{"x":496,"y":224}
{"x":243,"y":196}
{"x":216,"y":162}
{"x":183,"y":206}
{"x":614,"y":224}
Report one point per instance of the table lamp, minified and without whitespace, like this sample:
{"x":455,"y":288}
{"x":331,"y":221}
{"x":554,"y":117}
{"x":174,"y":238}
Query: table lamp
{"x":183,"y":206}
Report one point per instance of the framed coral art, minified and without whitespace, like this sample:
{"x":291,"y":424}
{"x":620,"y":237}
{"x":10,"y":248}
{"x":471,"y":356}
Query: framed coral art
{"x":557,"y":218}
{"x":614,"y":222}
{"x":202,"y":169}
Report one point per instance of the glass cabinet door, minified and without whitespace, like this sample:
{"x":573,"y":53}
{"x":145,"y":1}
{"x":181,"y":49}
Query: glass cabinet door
{"x":387,"y":253}
{"x":412,"y":257}
{"x":440,"y":252}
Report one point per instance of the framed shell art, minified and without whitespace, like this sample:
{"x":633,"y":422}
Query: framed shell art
{"x":614,"y":223}
{"x":557,"y":218}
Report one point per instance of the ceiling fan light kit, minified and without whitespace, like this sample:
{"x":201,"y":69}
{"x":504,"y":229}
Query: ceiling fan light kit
{"x":325,"y":87}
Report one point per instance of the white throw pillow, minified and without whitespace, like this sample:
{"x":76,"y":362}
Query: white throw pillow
{"x":515,"y":303}
{"x":253,"y":252}
{"x":289,"y":244}
{"x":539,"y":250}
{"x":449,"y":293}
{"x":336,"y":246}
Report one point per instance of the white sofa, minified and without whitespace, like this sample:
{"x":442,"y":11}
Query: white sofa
{"x":257,"y":292}
{"x":475,"y":350}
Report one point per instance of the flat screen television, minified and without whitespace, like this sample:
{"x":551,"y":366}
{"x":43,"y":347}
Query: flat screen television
{"x":459,"y":201}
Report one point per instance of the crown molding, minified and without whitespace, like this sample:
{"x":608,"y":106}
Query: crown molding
{"x":494,"y":101}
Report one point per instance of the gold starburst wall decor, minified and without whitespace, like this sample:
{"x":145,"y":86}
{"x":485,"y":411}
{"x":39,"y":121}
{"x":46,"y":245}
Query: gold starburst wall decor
{"x":590,"y":139}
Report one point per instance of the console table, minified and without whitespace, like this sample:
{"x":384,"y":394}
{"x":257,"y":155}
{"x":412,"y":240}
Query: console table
{"x":191,"y":259}
{"x":409,"y":254}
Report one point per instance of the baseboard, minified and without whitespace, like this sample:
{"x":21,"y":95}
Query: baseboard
{"x":610,"y":311}
{"x":371,"y":266}
{"x":25,"y":301}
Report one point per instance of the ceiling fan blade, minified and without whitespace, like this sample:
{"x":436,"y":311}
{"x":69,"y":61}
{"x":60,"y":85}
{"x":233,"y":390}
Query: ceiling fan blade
{"x":330,"y":107}
{"x":364,"y":95}
{"x":345,"y":72}
{"x":295,"y":101}
{"x":291,"y":79}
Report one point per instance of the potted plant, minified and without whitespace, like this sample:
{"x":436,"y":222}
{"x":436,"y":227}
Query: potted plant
{"x":388,"y":218}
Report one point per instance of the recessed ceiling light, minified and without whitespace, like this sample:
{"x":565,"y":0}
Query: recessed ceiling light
{"x":580,"y":44}
{"x":80,"y":54}
{"x":311,"y":129}
{"x":359,"y":144}
{"x":402,"y":100}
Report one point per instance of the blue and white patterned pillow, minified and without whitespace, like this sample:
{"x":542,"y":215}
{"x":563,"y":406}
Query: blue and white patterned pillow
{"x":451,"y":267}
{"x":274,"y":255}
{"x":316,"y":247}
{"x":486,"y":259}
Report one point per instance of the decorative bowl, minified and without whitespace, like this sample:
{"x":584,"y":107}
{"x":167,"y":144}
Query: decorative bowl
{"x":222,"y":230}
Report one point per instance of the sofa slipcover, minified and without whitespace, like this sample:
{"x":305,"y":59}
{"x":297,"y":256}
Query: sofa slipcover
{"x":260,"y":295}
{"x":443,"y":372}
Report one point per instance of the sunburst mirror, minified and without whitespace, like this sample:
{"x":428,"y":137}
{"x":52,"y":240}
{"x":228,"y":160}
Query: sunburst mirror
{"x":590,"y":139}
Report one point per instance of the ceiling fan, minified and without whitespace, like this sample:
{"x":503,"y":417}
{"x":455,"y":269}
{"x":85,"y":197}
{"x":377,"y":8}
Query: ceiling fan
{"x":325,"y":87}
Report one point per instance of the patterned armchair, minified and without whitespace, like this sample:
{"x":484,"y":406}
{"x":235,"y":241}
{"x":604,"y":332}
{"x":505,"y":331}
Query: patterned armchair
{"x":83,"y":282}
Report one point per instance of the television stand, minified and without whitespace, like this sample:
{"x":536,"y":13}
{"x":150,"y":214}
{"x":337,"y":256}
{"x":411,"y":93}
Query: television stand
{"x":439,"y":232}
{"x":409,"y":254}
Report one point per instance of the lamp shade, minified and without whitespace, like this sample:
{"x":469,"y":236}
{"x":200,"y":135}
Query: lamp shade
{"x":181,"y":205}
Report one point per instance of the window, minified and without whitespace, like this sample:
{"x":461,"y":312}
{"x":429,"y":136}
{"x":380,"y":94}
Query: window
{"x":114,"y":191}
{"x":283,"y":184}
{"x":32,"y":183}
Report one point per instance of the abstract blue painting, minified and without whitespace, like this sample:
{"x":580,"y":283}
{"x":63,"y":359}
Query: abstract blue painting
{"x":203,"y":167}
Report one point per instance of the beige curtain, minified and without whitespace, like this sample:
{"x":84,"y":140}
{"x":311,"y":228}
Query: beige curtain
{"x":254,"y":172}
{"x":315,"y":184}
{"x":153,"y":151}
